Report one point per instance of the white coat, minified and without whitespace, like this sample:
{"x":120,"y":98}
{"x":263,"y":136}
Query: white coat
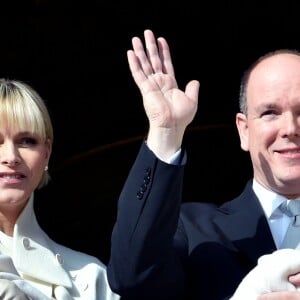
{"x":40,"y":264}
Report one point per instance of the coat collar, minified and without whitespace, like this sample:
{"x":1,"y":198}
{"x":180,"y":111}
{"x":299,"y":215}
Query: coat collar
{"x":32,"y":248}
{"x":243,"y":221}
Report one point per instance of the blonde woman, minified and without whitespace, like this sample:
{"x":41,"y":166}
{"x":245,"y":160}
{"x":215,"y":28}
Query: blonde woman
{"x":29,"y":260}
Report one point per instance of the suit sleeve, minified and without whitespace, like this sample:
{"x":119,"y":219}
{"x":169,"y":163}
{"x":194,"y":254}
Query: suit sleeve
{"x":144,"y":263}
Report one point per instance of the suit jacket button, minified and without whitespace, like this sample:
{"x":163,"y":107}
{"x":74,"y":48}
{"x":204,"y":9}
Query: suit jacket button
{"x":140,"y":195}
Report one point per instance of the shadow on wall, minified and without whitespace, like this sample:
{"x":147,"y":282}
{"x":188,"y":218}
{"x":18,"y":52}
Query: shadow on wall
{"x":78,"y":208}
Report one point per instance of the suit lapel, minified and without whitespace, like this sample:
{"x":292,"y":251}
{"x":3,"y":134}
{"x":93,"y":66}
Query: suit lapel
{"x":243,"y":222}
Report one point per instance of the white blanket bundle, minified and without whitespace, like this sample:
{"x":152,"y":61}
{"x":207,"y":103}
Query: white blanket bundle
{"x":270,"y":275}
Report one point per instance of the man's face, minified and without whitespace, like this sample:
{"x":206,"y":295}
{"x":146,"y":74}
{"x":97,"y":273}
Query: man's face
{"x":271,"y":129}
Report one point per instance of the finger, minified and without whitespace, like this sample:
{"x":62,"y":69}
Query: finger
{"x":135,"y":67}
{"x":140,"y":53}
{"x":279,"y":295}
{"x":295,"y":279}
{"x":152,"y":51}
{"x":165,"y":56}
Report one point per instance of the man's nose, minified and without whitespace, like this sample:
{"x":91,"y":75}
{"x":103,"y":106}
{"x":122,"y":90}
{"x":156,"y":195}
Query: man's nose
{"x":291,"y":126}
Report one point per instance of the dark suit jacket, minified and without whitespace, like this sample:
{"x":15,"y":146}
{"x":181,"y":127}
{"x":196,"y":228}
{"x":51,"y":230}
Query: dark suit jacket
{"x":162,"y":249}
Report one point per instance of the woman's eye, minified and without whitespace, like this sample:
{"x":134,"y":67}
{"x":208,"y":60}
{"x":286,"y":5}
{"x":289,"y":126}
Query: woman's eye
{"x":28,"y":141}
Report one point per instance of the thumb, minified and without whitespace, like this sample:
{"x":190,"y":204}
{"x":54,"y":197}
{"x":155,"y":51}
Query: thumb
{"x":192,"y":90}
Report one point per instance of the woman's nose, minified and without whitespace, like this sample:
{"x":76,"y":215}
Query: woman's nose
{"x":9,"y":154}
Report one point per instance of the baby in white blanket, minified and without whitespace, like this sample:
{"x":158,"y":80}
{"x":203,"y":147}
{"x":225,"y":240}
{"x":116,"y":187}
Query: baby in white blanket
{"x":270,"y":275}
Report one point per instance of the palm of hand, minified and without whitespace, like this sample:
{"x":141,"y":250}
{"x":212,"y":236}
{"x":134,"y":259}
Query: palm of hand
{"x":164,"y":103}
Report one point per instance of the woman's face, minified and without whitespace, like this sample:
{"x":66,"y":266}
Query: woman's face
{"x":23,"y":158}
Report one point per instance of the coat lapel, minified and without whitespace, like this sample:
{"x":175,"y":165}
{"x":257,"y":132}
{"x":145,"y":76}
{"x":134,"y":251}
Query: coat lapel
{"x":32,"y":249}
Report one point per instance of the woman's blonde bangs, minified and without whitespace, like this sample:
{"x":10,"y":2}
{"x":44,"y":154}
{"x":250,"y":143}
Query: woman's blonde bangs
{"x":21,"y":109}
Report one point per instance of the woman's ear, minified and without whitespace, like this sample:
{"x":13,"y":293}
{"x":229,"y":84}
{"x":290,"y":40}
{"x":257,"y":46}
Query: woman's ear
{"x":48,"y":150}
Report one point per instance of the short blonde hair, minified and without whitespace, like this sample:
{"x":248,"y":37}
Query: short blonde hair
{"x":21,"y":108}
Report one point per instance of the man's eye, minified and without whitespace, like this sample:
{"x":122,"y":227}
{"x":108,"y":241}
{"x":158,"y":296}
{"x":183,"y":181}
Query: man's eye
{"x":269,"y":112}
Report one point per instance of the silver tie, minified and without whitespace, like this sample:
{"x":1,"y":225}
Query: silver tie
{"x":292,"y":236}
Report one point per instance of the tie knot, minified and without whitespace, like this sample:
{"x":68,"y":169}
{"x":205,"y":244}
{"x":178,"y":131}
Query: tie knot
{"x":291,"y":208}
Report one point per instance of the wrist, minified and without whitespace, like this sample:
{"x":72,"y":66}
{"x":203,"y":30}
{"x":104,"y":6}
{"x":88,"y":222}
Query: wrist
{"x":164,"y":143}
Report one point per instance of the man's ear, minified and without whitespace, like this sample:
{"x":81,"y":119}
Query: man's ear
{"x":242,"y":126}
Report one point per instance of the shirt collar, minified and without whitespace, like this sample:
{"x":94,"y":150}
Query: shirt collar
{"x":268,"y":199}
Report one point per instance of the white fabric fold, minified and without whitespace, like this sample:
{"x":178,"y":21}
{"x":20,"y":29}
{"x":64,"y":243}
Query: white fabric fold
{"x":9,"y":272}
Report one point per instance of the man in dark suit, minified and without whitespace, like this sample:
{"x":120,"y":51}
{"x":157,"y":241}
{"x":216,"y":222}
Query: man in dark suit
{"x":162,"y":249}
